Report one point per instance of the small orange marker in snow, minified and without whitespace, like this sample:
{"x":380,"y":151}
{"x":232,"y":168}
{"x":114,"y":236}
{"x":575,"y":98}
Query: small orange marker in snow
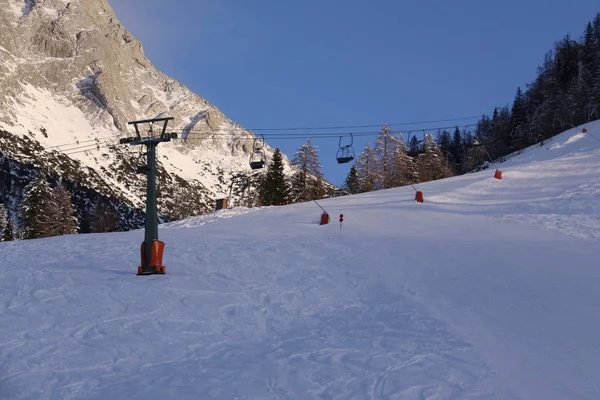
{"x":419,"y":196}
{"x":584,"y":130}
{"x":498,"y":174}
{"x":324,"y":219}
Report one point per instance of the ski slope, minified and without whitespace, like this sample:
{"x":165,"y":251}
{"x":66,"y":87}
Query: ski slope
{"x":490,"y":289}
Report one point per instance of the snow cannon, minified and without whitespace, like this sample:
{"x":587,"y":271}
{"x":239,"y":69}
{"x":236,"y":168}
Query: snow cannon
{"x":156,"y":257}
{"x":498,"y":174}
{"x":324,"y":219}
{"x":419,"y":196}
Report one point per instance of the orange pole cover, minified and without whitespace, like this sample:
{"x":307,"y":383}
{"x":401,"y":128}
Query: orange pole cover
{"x":419,"y":197}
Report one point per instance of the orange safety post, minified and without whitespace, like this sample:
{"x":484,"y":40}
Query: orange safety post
{"x":324,"y":219}
{"x":419,"y":196}
{"x":498,"y":174}
{"x":156,"y":255}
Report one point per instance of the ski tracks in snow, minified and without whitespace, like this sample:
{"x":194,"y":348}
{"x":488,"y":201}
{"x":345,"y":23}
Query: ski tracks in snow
{"x":232,"y":326}
{"x":313,"y":313}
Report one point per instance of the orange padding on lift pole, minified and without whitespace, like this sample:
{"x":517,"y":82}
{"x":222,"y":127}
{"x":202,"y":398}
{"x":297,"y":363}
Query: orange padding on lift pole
{"x":498,"y":174}
{"x":419,"y":197}
{"x":156,"y":256}
{"x":324,"y":219}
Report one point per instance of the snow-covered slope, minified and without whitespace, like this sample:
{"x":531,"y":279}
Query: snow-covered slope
{"x":487,"y":290}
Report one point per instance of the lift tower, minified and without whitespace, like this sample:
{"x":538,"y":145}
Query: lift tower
{"x":152,"y":248}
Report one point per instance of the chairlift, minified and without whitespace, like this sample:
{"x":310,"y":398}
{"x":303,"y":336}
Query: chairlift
{"x":258,"y":157}
{"x":475,"y":142}
{"x":345,"y":153}
{"x":141,"y":169}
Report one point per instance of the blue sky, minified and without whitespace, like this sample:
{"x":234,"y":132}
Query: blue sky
{"x":276,"y":63}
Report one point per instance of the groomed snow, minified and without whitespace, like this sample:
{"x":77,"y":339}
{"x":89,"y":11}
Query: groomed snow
{"x":488,"y":290}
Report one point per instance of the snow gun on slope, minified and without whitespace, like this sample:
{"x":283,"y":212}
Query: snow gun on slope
{"x":324,"y":216}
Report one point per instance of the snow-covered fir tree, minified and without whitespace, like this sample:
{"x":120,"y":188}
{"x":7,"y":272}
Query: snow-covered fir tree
{"x":245,"y":186}
{"x":384,"y":150}
{"x":47,"y":211}
{"x":36,"y":208}
{"x":8,"y":232}
{"x":65,"y":221}
{"x":367,"y":168}
{"x":404,"y":171}
{"x":431,"y":163}
{"x":3,"y":213}
{"x":307,"y":182}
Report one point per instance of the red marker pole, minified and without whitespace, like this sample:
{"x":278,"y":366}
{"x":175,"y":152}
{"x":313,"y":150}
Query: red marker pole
{"x":341,"y":220}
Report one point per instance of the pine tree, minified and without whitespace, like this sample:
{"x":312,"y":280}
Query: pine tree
{"x":500,"y":133}
{"x":352,"y":183}
{"x":47,"y":211}
{"x":457,"y":151}
{"x":8,"y":231}
{"x":445,"y":141}
{"x":104,"y":218}
{"x":591,"y":61}
{"x":307,"y":183}
{"x":565,"y":93}
{"x":404,"y":169}
{"x":65,"y":221}
{"x":413,"y":146}
{"x":384,"y":150}
{"x":594,"y":103}
{"x":367,"y":169}
{"x":432,"y":164}
{"x":519,"y":122}
{"x":589,"y":49}
{"x":244,"y":187}
{"x":37,"y":208}
{"x":274,"y":188}
{"x":3,"y":213}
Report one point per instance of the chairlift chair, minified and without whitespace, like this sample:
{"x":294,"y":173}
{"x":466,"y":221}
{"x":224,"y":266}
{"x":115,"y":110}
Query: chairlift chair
{"x":257,"y":160}
{"x":476,"y":142}
{"x":345,"y":153}
{"x":258,"y":157}
{"x":141,"y":168}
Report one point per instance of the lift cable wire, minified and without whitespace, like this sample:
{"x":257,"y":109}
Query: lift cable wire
{"x":224,"y":135}
{"x":279,"y":136}
{"x":311,"y":128}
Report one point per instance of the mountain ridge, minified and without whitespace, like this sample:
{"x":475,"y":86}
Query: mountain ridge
{"x":72,"y":74}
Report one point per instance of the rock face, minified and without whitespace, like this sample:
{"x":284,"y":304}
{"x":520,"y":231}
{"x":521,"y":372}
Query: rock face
{"x":72,"y":77}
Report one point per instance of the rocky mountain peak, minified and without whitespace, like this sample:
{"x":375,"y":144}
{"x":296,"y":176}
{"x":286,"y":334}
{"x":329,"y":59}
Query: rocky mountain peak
{"x":72,"y":77}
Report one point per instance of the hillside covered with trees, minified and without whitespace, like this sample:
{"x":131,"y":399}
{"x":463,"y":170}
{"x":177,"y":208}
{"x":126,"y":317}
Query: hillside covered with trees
{"x":565,"y":94}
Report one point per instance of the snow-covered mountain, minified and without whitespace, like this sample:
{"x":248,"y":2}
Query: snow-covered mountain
{"x":72,"y":77}
{"x":487,"y":290}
